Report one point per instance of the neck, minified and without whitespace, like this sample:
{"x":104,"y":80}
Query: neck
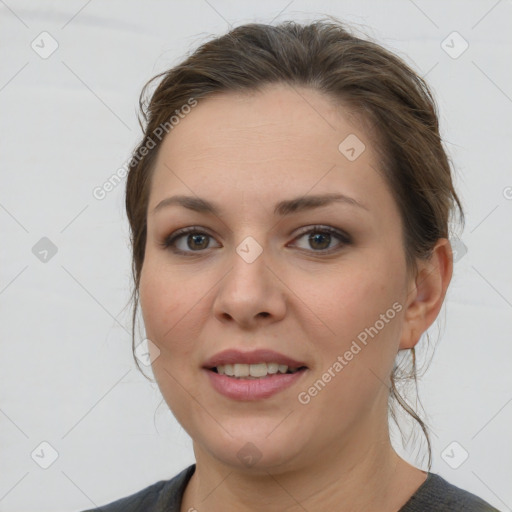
{"x":355,"y":476}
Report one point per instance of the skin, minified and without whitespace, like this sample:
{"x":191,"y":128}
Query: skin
{"x":246,"y":152}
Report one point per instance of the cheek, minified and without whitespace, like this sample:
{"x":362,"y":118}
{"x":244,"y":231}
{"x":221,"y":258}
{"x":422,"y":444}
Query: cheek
{"x":169,"y":303}
{"x":156,"y":300}
{"x":356,"y":298}
{"x":172,"y":302}
{"x":164,"y":301}
{"x":365,"y":308}
{"x":366,"y":326}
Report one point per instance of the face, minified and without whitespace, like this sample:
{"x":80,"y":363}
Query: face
{"x":315,"y":282}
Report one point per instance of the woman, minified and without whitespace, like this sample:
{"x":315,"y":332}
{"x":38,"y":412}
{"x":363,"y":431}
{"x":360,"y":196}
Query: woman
{"x":289,"y":207}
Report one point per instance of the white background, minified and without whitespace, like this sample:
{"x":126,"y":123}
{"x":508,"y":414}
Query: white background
{"x":69,"y":122}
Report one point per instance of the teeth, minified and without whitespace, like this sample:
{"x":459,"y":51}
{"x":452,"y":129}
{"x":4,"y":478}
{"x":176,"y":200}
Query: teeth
{"x":272,"y":368}
{"x":241,"y":370}
{"x":253,"y":370}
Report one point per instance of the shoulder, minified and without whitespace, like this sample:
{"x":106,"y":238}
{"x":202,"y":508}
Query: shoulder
{"x":162,"y":495}
{"x":437,"y":494}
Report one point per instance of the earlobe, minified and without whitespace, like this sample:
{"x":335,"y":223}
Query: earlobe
{"x":427,"y":293}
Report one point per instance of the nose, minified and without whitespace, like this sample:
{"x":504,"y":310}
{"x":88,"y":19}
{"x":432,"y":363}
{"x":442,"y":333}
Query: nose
{"x":251,"y":293}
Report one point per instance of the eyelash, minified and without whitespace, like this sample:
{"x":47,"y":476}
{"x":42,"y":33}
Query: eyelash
{"x":169,"y":242}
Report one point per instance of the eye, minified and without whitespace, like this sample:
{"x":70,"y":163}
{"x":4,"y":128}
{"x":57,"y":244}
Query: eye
{"x":187,"y":240}
{"x":320,"y":238}
{"x":194,"y":240}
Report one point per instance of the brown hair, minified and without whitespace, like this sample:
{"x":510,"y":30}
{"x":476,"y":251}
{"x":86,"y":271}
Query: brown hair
{"x":325,"y":56}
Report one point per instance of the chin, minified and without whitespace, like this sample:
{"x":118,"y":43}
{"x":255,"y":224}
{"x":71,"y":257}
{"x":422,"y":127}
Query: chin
{"x":255,"y":454}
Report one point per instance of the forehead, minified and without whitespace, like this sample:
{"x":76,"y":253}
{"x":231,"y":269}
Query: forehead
{"x":280,"y":141}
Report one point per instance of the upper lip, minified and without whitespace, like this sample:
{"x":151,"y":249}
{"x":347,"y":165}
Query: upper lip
{"x":232,"y":356}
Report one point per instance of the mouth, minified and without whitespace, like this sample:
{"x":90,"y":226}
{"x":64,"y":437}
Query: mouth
{"x":242,"y":386}
{"x":256,"y":363}
{"x":255,"y":375}
{"x":255,"y":371}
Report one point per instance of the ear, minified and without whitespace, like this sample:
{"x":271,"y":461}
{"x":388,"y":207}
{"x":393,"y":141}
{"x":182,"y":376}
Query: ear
{"x":426,"y":292}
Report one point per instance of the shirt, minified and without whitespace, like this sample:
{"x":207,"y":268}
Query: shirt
{"x":435,"y":494}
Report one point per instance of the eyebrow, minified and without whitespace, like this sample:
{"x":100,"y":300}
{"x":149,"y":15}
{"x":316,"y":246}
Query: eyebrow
{"x":281,"y":209}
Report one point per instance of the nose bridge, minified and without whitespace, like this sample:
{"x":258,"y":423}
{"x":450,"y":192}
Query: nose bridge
{"x":249,"y":250}
{"x":248,"y":265}
{"x":249,"y":288}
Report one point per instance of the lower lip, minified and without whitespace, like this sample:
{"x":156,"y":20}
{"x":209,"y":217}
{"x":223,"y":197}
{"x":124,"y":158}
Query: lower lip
{"x":253,"y":389}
